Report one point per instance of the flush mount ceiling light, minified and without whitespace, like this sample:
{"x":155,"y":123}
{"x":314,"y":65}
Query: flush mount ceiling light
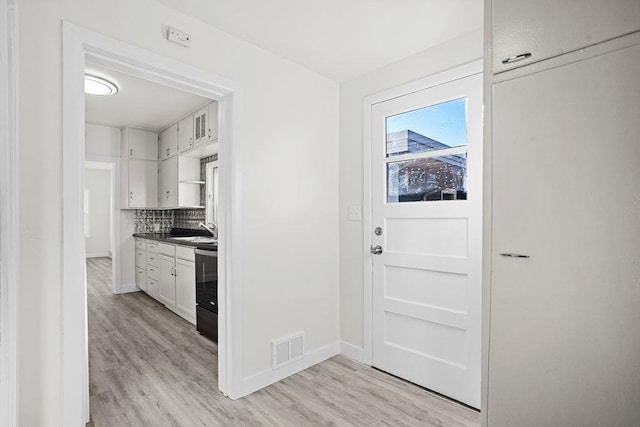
{"x":94,"y":85}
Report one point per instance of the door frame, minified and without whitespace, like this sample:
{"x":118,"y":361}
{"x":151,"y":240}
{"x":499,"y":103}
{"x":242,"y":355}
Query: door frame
{"x":446,"y":76}
{"x":79,"y":45}
{"x":9,"y":213}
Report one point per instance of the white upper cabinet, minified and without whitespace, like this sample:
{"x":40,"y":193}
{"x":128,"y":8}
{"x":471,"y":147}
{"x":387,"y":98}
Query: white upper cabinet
{"x":212,"y":122}
{"x":142,"y":177}
{"x":139,"y":144}
{"x":200,"y":125}
{"x":168,"y":145}
{"x":139,"y":169}
{"x":525,"y":31}
{"x":168,"y":183}
{"x":185,"y":134}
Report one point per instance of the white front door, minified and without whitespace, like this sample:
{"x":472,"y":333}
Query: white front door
{"x":426,"y":179}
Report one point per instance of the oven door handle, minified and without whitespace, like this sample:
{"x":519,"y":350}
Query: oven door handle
{"x":206,"y":252}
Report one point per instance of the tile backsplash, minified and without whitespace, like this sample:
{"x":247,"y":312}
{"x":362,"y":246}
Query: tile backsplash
{"x":188,"y":218}
{"x":145,"y":220}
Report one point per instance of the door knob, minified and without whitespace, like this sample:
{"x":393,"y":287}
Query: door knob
{"x":376,"y":250}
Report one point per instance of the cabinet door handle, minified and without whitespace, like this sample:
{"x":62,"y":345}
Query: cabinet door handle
{"x":131,"y":195}
{"x":516,"y":58}
{"x":131,"y":151}
{"x":510,"y":255}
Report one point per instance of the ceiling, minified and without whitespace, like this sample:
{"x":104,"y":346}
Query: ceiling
{"x":340,"y":39}
{"x":139,"y":103}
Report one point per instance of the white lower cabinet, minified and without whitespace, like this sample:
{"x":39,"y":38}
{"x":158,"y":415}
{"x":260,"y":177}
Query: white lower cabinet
{"x":167,"y":293}
{"x":186,"y":288}
{"x":167,"y":273}
{"x":153,"y":287}
{"x":141,"y":278}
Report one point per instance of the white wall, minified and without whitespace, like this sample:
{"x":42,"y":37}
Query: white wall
{"x":456,"y":52}
{"x":101,"y":141}
{"x":98,"y":187}
{"x":290,"y":185}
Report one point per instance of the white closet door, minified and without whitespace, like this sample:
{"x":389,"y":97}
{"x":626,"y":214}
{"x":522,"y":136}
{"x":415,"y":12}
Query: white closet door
{"x":564,"y":339}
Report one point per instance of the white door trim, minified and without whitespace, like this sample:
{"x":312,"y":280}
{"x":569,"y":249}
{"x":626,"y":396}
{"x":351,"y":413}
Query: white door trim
{"x":9,"y":213}
{"x":79,"y":45}
{"x":450,"y":75}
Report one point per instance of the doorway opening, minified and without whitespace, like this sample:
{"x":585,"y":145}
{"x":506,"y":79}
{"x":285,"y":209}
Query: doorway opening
{"x":162,"y":138}
{"x":84,"y":48}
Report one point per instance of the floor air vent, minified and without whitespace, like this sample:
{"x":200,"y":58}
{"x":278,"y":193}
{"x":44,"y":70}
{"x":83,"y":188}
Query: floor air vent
{"x":287,"y":350}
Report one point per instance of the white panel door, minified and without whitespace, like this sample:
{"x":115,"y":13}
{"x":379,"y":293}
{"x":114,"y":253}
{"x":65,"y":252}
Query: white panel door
{"x":426,"y":200}
{"x":564,"y":340}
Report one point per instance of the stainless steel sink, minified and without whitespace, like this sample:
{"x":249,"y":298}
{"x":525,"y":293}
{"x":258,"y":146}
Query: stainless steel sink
{"x":196,"y":239}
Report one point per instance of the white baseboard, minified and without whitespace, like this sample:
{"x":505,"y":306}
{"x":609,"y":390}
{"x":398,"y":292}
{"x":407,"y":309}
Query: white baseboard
{"x":270,"y":376}
{"x":129,"y":287}
{"x":184,"y":314}
{"x":352,"y":352}
{"x":98,"y":255}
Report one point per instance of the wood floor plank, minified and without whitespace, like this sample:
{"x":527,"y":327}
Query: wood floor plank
{"x":149,"y":367}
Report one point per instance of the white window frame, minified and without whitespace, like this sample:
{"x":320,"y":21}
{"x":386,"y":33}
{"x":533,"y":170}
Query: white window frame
{"x":210,"y":167}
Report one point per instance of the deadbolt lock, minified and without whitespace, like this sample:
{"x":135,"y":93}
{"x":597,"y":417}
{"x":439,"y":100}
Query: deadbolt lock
{"x":378,"y":231}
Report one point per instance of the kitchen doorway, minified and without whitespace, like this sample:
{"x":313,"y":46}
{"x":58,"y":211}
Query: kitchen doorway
{"x":424,"y":233}
{"x":82,"y":46}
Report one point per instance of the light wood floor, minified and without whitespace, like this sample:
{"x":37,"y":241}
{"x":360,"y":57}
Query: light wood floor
{"x":149,"y":367}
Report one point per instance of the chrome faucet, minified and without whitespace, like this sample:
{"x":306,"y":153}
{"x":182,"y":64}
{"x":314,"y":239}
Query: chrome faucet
{"x":213,"y":230}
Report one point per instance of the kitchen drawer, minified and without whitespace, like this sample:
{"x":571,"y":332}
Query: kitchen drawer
{"x":153,"y":259}
{"x":141,"y":278}
{"x":168,"y":250}
{"x":186,"y":253}
{"x":141,"y":245}
{"x":153,"y":287}
{"x":152,"y":247}
{"x":153,"y":272}
{"x":141,"y":259}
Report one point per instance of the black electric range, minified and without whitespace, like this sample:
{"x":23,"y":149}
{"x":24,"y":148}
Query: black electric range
{"x":207,"y":290}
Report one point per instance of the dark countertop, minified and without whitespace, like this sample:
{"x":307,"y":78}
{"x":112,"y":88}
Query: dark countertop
{"x":171,"y":238}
